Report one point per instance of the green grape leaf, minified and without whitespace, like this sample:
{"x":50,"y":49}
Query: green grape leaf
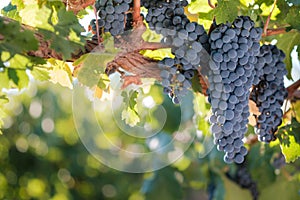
{"x":199,"y":6}
{"x":19,"y":62}
{"x":11,"y":12}
{"x":64,"y":46}
{"x":19,"y":3}
{"x":151,"y":36}
{"x":3,"y":100}
{"x":40,"y":73}
{"x":103,"y":82}
{"x":130,"y":98}
{"x":216,"y":179}
{"x":259,"y":165}
{"x":298,"y":50}
{"x":109,"y":43}
{"x":156,"y":94}
{"x":4,"y":83}
{"x":220,"y":191}
{"x":12,"y":75}
{"x":234,"y":191}
{"x":166,"y":179}
{"x":283,"y":188}
{"x":67,"y":21}
{"x":287,"y":42}
{"x":226,"y":11}
{"x":284,"y":10}
{"x":289,"y":139}
{"x":293,"y":18}
{"x":57,"y":25}
{"x":80,"y":60}
{"x":267,"y":2}
{"x":92,"y":66}
{"x":130,"y":116}
{"x":16,"y":41}
{"x":202,"y":109}
{"x":11,"y":78}
{"x":23,"y":79}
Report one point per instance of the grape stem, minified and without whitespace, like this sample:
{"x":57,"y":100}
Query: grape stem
{"x":137,"y":19}
{"x":293,"y":88}
{"x":277,"y":31}
{"x":97,"y":25}
{"x":269,"y":17}
{"x":210,"y":4}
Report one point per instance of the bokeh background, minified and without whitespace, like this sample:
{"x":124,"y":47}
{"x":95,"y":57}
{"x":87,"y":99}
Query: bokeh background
{"x":42,"y":157}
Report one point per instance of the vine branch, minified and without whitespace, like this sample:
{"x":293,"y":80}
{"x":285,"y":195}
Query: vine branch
{"x":78,"y":5}
{"x":210,"y":4}
{"x":269,"y":17}
{"x":153,"y":46}
{"x":293,"y":88}
{"x":277,"y":31}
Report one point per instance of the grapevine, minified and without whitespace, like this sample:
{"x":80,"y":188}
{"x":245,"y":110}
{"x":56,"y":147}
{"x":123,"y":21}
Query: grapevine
{"x":223,"y":66}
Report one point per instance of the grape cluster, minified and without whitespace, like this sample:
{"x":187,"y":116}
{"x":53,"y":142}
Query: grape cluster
{"x":243,"y":178}
{"x":279,"y":161}
{"x":269,"y":91}
{"x":112,"y":16}
{"x":151,"y":3}
{"x":188,"y":41}
{"x":234,"y":48}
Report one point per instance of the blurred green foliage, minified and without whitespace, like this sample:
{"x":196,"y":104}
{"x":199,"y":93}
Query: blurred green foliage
{"x":42,"y":157}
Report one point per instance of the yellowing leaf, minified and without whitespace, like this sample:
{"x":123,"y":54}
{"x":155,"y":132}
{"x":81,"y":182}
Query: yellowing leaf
{"x":41,"y":74}
{"x":266,"y":11}
{"x":98,"y":92}
{"x":247,"y":2}
{"x":289,"y":139}
{"x":34,"y":16}
{"x":292,"y":151}
{"x":62,"y":77}
{"x":192,"y":17}
{"x":158,"y":54}
{"x":200,"y":6}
